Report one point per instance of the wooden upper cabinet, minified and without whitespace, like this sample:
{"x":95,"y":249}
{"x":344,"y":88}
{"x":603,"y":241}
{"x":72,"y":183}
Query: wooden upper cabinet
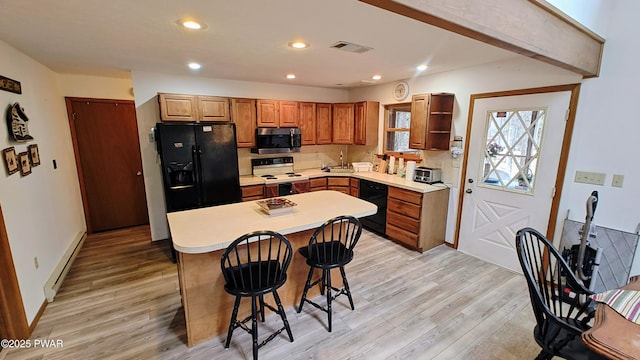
{"x":176,"y":107}
{"x":439,"y":121}
{"x":213,"y":108}
{"x":431,"y":116}
{"x":418,"y":127}
{"x":267,"y":113}
{"x":244,"y":115}
{"x":307,"y":122}
{"x":180,"y":107}
{"x":274,"y":113}
{"x":343,"y":123}
{"x":323,"y":124}
{"x":288,"y":113}
{"x":367,"y":116}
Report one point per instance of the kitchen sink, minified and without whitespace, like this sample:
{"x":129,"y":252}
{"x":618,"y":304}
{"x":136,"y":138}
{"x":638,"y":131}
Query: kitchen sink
{"x":338,"y":169}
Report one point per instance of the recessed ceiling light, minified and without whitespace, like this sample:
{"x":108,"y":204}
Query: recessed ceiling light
{"x":376,"y":77}
{"x":299,"y":45}
{"x":421,"y":67}
{"x":194,"y":66}
{"x":291,"y":76}
{"x":191,"y":24}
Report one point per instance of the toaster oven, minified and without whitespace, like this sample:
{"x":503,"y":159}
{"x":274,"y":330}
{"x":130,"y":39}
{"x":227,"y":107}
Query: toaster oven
{"x":427,"y":175}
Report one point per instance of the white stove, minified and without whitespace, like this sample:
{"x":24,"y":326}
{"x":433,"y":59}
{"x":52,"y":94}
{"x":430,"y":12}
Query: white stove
{"x":276,"y":170}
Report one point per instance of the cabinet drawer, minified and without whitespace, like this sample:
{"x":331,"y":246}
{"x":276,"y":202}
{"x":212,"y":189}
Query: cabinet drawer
{"x":403,"y":208}
{"x":319,"y":188}
{"x":319,"y":182}
{"x":403,"y":222}
{"x":252,"y":190}
{"x":355,"y":192}
{"x":406,"y":195}
{"x":338,"y":181}
{"x":344,"y":190}
{"x":402,"y":235}
{"x":355,"y":183}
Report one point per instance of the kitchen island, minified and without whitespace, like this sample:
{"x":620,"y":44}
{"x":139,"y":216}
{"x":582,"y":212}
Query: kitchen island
{"x":200,"y":236}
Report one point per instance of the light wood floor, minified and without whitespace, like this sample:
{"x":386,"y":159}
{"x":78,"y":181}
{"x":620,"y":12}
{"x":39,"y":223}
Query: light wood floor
{"x":121,"y":301}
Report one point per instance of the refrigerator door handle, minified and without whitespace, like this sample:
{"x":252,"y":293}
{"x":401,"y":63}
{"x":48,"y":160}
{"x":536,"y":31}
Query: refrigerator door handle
{"x":202,"y":199}
{"x":196,"y":168}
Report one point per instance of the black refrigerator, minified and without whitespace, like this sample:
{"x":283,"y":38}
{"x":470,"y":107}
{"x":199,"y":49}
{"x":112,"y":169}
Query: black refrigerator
{"x":199,"y":164}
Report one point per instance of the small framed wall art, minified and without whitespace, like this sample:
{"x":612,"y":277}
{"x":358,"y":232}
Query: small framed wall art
{"x":25,"y":164}
{"x":34,"y":154}
{"x":10,"y":160}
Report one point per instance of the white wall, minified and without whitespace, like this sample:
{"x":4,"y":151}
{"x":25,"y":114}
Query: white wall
{"x":42,"y":211}
{"x":148,"y":85}
{"x":608,"y":128}
{"x":97,"y":87}
{"x":508,"y":75}
{"x":593,"y":14}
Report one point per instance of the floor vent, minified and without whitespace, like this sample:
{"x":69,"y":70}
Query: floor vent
{"x":351,"y":47}
{"x":55,"y":281}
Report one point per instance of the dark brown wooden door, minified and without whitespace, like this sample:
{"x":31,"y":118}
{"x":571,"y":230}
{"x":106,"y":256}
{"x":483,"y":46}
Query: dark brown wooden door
{"x":105,"y":136}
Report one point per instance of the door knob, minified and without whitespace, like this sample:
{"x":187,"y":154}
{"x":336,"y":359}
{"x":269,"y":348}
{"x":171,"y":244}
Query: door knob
{"x":468,"y":191}
{"x":139,"y":173}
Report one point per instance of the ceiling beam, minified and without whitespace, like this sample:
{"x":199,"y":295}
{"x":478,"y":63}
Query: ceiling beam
{"x":532,"y":28}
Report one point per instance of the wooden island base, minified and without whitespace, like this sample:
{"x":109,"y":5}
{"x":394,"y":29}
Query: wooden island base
{"x":208,"y":307}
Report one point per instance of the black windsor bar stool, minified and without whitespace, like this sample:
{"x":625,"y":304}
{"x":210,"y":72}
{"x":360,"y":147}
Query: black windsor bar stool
{"x":331,"y":246}
{"x":253,"y":265}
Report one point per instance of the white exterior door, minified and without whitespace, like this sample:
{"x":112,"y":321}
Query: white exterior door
{"x":511,"y":172}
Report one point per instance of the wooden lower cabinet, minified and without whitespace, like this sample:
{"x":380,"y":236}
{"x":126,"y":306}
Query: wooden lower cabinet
{"x":354,"y":187}
{"x":252,"y":192}
{"x":318,"y":184}
{"x":415,"y":219}
{"x":339,"y":184}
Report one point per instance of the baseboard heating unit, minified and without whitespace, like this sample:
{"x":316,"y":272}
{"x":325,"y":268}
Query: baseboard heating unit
{"x":60,"y":272}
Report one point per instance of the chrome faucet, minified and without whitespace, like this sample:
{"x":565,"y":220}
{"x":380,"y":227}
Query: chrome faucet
{"x":341,"y":161}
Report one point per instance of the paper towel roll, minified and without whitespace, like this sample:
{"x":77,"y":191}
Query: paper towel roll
{"x":411,"y":170}
{"x":392,"y":163}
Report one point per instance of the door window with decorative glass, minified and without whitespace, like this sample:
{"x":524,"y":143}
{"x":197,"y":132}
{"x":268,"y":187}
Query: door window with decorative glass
{"x":513,"y":141}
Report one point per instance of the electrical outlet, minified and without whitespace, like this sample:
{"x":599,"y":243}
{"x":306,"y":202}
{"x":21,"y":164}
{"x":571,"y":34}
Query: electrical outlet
{"x":35,"y":262}
{"x":590,"y":177}
{"x":617,"y":180}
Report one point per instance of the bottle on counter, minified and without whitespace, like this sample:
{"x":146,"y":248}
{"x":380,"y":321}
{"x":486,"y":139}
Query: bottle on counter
{"x":392,"y":164}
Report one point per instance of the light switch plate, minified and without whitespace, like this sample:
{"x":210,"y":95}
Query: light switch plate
{"x":617,"y":180}
{"x":590,"y":177}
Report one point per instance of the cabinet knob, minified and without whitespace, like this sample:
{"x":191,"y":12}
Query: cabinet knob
{"x":139,"y":173}
{"x":468,"y":191}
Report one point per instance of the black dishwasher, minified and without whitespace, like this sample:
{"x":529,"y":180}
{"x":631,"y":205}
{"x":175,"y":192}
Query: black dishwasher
{"x":375,"y":193}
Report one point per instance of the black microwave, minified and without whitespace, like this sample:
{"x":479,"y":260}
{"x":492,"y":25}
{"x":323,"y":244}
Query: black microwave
{"x":277,"y":140}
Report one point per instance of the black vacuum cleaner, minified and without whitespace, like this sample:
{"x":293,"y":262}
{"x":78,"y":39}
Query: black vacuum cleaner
{"x":582,"y":258}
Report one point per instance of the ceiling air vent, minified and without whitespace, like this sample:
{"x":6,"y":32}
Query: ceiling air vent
{"x":350,"y":47}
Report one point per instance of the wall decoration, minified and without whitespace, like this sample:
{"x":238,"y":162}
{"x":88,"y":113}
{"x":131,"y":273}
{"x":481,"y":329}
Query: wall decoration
{"x":10,"y":160}
{"x":401,"y":90}
{"x":17,"y":123}
{"x":34,"y":155}
{"x":10,"y":85}
{"x":25,"y":164}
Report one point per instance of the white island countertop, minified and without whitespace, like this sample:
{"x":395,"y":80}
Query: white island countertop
{"x":214,"y":228}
